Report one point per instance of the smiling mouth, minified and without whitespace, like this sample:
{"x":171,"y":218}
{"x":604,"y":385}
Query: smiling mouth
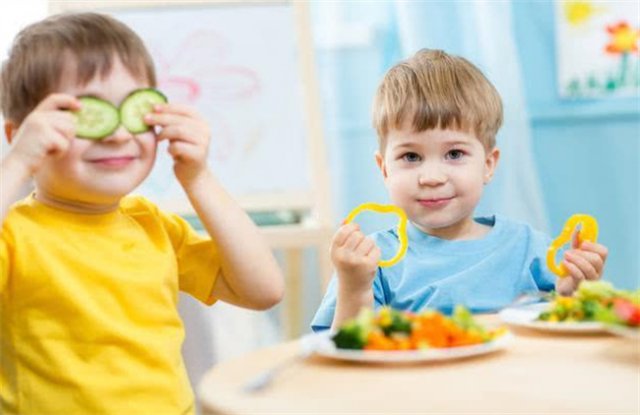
{"x":113,"y":161}
{"x":435,"y":202}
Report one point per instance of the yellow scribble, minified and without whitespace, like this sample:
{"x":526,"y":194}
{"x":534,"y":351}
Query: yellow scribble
{"x":578,"y":12}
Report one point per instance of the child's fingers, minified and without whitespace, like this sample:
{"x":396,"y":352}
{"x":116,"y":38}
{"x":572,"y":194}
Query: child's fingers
{"x":179,"y":150}
{"x":178,"y":109}
{"x":566,"y":286}
{"x":163,"y":118}
{"x":365,"y":246}
{"x":595,"y":259}
{"x":58,"y":101}
{"x":596,"y":248}
{"x":574,"y":272}
{"x":169,"y":133}
{"x":60,"y":121}
{"x":582,"y":261}
{"x":374,"y":254}
{"x":343,"y":233}
{"x":180,"y":132}
{"x":64,"y":125}
{"x":354,"y":239}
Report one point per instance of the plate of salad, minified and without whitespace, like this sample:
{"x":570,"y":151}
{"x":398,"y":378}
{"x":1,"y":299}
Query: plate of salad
{"x":393,"y":336}
{"x":595,"y":307}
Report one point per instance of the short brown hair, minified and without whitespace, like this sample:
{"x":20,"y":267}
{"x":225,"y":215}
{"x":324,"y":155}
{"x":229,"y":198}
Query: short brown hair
{"x":437,"y":90}
{"x":41,"y":51}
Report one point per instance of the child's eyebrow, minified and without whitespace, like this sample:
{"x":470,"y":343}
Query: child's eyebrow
{"x":457,"y":143}
{"x":404,"y":145}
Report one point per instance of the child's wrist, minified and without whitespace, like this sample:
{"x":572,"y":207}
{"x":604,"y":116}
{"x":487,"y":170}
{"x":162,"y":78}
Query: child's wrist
{"x":18,"y":166}
{"x":356,"y":289}
{"x":194,"y":181}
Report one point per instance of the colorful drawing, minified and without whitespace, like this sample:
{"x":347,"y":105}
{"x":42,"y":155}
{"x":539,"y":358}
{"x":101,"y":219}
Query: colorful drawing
{"x":597,"y":44}
{"x":237,"y":65}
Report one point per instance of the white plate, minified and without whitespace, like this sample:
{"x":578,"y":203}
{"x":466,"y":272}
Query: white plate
{"x":629,"y":332}
{"x":324,"y":346}
{"x":526,"y":316}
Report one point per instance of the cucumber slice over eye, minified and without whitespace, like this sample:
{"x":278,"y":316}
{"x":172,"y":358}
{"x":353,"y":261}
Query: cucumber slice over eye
{"x":96,"y":118}
{"x":138,"y":104}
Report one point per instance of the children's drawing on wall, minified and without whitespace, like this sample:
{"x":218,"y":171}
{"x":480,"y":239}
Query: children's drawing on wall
{"x":201,"y":71}
{"x":597,"y":46}
{"x":239,"y":69}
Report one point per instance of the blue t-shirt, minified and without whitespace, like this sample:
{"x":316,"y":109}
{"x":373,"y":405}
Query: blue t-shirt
{"x":482,"y":274}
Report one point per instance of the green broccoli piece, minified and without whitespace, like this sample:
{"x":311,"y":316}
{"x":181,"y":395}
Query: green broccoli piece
{"x":399,"y":324}
{"x":350,"y":336}
{"x":353,"y":333}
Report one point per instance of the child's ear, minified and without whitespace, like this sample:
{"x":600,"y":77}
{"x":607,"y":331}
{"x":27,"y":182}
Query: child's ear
{"x":9,"y":130}
{"x":381,"y":165}
{"x":491,"y":163}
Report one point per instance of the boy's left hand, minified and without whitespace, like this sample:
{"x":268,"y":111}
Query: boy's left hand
{"x":584,"y":261}
{"x":188,"y":134}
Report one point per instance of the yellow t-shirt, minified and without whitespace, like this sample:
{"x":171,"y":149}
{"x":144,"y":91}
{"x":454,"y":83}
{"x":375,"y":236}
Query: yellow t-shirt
{"x":88,"y":309}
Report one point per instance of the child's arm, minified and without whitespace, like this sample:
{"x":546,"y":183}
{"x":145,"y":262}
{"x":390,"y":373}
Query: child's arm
{"x":355,"y":258}
{"x":250,"y":276}
{"x":584,"y":261}
{"x":46,"y":132}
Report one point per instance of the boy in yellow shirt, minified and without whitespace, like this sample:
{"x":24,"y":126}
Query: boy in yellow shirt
{"x":89,"y":277}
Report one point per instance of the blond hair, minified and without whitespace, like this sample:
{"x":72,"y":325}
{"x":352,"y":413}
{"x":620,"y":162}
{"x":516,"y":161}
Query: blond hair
{"x":86,"y":42}
{"x":433,"y":89}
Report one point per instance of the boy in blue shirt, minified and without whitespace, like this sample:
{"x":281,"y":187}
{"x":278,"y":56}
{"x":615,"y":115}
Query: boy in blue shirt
{"x":437,"y":116}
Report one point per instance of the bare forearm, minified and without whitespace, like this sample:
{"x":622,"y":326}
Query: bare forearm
{"x":13,"y":177}
{"x":349,"y":302}
{"x":251,"y":273}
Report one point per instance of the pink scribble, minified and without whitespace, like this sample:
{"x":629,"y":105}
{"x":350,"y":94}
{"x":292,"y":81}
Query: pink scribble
{"x":202,"y":71}
{"x":189,"y":87}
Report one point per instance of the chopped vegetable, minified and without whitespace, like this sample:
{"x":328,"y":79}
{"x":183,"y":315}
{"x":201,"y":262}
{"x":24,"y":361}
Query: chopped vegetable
{"x":354,"y":333}
{"x":390,"y":329}
{"x":96,"y":118}
{"x":596,"y":301}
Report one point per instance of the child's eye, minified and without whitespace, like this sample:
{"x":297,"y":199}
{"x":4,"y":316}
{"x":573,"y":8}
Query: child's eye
{"x":454,"y":154}
{"x":411,"y":157}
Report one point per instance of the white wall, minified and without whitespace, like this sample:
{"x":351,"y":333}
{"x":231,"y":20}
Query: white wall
{"x":14,"y":15}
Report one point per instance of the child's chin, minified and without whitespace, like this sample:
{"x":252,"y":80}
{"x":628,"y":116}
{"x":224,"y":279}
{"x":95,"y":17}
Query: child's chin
{"x":114,"y":192}
{"x":434,"y":226}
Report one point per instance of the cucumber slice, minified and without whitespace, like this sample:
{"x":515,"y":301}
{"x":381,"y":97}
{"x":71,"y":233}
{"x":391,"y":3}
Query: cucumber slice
{"x":138,"y":104}
{"x":96,"y":118}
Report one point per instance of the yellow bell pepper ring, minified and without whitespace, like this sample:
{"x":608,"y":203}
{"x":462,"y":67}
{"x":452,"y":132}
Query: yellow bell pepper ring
{"x":402,"y":228}
{"x":588,"y":232}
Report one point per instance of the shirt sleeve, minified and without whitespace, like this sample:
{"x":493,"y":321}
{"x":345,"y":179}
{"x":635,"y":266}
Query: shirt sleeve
{"x":4,"y":262}
{"x":198,"y":258}
{"x":543,"y":277}
{"x":327,"y":309}
{"x":324,"y":315}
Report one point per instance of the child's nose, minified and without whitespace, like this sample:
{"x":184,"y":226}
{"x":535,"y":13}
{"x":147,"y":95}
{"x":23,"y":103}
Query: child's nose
{"x":120,"y":134}
{"x":431,"y":175}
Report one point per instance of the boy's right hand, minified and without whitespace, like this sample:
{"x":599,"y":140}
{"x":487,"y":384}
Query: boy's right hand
{"x":46,"y":131}
{"x":355,"y":257}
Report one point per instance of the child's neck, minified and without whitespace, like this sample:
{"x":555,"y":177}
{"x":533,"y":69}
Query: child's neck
{"x":465,"y":230}
{"x":74,"y":206}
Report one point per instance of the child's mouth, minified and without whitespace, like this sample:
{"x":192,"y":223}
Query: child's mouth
{"x":435,"y":203}
{"x":113,"y":162}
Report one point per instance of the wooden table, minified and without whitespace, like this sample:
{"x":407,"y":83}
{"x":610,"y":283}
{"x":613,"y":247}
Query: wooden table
{"x":538,"y":373}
